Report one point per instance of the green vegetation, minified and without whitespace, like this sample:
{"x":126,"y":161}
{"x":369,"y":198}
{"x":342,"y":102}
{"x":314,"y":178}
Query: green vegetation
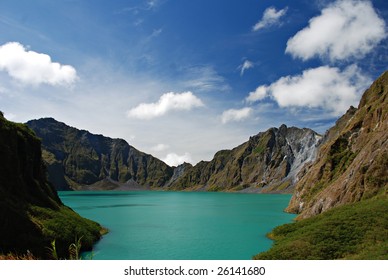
{"x":354,"y":231}
{"x":262,"y":145}
{"x":340,"y":156}
{"x":215,"y":188}
{"x":74,"y":250}
{"x":284,"y":185}
{"x":63,"y":226}
{"x":240,"y":187}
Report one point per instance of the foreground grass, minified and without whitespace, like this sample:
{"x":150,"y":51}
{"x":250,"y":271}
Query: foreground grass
{"x":16,"y":257}
{"x":64,"y":226}
{"x":355,"y":231}
{"x":61,"y":234}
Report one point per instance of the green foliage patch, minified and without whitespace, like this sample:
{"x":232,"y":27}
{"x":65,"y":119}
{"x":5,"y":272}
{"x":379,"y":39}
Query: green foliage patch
{"x":354,"y":231}
{"x":262,"y":145}
{"x":340,"y":156}
{"x":63,"y":226}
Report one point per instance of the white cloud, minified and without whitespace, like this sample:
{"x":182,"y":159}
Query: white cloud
{"x":10,"y":116}
{"x":173,"y":159}
{"x":259,"y":94}
{"x":203,"y":79}
{"x":160,"y":147}
{"x":323,"y":87}
{"x":270,"y":17}
{"x":235,"y":114}
{"x":245,"y":66}
{"x":34,"y":68}
{"x":167,"y":102}
{"x":345,"y":29}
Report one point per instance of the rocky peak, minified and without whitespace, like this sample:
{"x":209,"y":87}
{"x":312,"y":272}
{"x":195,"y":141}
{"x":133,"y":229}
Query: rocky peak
{"x":267,"y":162}
{"x":352,"y":161}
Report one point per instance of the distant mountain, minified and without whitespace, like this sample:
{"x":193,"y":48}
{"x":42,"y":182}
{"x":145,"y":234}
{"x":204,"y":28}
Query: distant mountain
{"x":268,"y":162}
{"x":31,"y":213}
{"x":77,"y":159}
{"x":352,"y":161}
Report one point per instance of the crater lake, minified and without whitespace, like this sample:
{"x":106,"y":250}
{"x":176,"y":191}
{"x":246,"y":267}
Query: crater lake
{"x":155,"y":225}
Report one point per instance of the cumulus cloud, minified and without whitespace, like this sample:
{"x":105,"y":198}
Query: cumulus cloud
{"x":270,"y":17}
{"x":259,"y":94}
{"x":323,"y":87}
{"x":245,"y":66}
{"x":235,"y":114}
{"x":34,"y":68}
{"x":345,"y":29}
{"x":167,"y":102}
{"x":173,"y":159}
{"x":160,"y":148}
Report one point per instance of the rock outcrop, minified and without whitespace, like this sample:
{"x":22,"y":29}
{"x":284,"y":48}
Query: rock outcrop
{"x":352,"y":161}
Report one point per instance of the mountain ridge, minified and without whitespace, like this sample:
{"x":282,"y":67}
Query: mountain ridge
{"x":77,"y":159}
{"x":267,"y":162}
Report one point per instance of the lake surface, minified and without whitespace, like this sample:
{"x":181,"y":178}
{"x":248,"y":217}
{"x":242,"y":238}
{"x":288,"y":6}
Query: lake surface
{"x":150,"y":225}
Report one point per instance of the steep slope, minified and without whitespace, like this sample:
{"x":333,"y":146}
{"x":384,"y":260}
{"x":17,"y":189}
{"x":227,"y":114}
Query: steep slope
{"x":352,"y":162}
{"x":77,"y":159}
{"x":268,"y":162}
{"x":353,"y":231}
{"x":31,"y":213}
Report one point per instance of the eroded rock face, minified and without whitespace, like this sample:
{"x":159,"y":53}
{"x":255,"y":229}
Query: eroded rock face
{"x":352,"y":162}
{"x":31,"y":213}
{"x":78,"y":159}
{"x":22,"y":173}
{"x":268,"y":162}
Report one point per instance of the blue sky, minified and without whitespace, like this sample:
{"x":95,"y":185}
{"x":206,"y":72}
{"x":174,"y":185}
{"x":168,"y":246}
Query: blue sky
{"x":183,"y":79}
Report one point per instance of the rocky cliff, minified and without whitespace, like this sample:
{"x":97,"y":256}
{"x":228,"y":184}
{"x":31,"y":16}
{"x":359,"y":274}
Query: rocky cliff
{"x":31,"y":213}
{"x":268,"y":162}
{"x":352,"y":161}
{"x":77,"y":159}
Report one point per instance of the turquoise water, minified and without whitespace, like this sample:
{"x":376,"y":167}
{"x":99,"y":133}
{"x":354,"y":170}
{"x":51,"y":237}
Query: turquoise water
{"x":147,"y":225}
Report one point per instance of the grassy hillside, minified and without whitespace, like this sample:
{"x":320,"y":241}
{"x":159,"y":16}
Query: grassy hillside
{"x":355,"y":231}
